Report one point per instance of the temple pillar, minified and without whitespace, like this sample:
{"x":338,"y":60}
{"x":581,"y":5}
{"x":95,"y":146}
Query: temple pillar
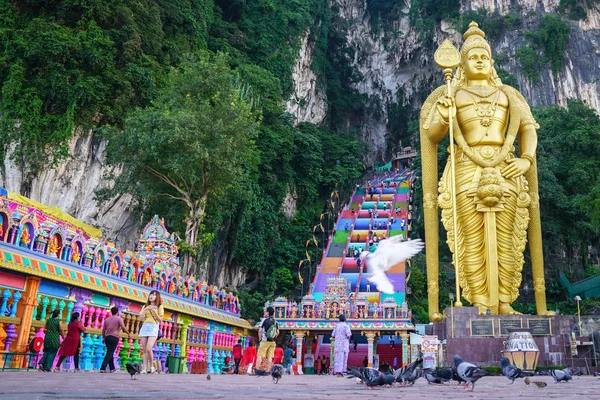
{"x":25,"y":311}
{"x":183,"y":336}
{"x":370,"y":342}
{"x":299,"y":335}
{"x":209,"y":351}
{"x":405,"y":351}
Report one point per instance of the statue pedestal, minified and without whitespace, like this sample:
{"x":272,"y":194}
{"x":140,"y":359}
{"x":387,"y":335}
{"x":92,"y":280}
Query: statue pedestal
{"x":480,"y":338}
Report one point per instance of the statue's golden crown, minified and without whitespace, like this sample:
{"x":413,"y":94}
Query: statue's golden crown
{"x":474,"y":39}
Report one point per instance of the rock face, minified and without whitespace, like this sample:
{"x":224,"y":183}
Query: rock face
{"x":308,"y":102}
{"x":398,"y":59}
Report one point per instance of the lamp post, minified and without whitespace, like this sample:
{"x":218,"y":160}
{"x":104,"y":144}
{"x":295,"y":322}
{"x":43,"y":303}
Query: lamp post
{"x":451,"y":296}
{"x":578,"y":299}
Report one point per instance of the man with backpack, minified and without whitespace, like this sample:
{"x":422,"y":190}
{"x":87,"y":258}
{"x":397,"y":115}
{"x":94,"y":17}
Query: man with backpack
{"x":268,"y":331}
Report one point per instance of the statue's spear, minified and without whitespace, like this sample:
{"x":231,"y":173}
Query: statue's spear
{"x":447,"y":58}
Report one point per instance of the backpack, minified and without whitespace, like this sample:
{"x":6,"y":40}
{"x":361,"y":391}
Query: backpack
{"x":270,"y":328}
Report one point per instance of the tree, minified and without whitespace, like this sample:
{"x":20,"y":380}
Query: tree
{"x":196,"y":140}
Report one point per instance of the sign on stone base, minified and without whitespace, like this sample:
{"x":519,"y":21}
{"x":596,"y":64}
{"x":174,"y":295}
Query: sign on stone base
{"x":540,"y":326}
{"x":482,"y":327}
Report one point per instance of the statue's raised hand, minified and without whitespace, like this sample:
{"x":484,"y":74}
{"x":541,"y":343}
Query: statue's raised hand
{"x":445,"y":105}
{"x":516,"y":167}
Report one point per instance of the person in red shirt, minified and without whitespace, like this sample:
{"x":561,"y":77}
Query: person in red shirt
{"x":248,"y":359}
{"x":237,"y":356}
{"x":278,"y":357}
{"x":70,"y":346}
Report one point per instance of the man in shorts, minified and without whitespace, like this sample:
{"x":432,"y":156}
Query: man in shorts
{"x":267,"y":342}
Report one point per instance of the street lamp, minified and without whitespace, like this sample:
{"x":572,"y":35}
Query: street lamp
{"x":451,"y":296}
{"x":578,"y":299}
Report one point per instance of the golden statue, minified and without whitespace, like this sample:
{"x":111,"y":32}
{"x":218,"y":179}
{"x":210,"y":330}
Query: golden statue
{"x":496,"y":196}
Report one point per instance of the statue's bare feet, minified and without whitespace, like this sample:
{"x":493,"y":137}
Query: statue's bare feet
{"x":481,"y":309}
{"x":546,"y":312}
{"x":505,"y":308}
{"x":435,"y":317}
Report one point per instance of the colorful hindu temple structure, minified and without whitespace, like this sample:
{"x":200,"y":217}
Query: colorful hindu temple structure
{"x":49,"y":261}
{"x":379,"y":209}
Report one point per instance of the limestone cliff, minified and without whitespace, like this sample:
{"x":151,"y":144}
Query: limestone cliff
{"x":396,"y":58}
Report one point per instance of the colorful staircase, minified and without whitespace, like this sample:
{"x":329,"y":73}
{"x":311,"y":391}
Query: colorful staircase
{"x":378,"y":209}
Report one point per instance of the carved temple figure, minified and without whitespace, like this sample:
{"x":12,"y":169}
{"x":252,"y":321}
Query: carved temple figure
{"x":76,"y":254}
{"x":496,"y":191}
{"x":53,"y":248}
{"x":25,"y":238}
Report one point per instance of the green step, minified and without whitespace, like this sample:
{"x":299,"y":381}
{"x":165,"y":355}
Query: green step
{"x":395,"y":232}
{"x":341,"y":236}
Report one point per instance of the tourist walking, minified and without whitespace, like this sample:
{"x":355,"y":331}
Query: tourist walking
{"x":54,"y":331}
{"x":267,"y":333}
{"x":152,"y":314}
{"x":278,"y":356}
{"x":342,"y":335}
{"x":318,"y":366}
{"x":288,"y":354}
{"x":70,"y":346}
{"x":237,"y":356}
{"x":248,"y":359}
{"x":111,"y":331}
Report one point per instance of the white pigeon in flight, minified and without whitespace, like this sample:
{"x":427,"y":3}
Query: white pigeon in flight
{"x":389,"y":252}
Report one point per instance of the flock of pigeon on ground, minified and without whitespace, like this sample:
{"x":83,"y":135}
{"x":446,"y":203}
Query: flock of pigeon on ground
{"x":463,"y":372}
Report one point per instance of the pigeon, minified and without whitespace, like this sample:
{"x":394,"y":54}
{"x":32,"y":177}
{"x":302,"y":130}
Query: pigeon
{"x":561,"y":375}
{"x":260,"y":372}
{"x":512,"y":372}
{"x":438,"y":376}
{"x":389,"y":253}
{"x":456,"y":377}
{"x":370,"y":376}
{"x":277,"y":372}
{"x":407,"y":373}
{"x":469,"y":372}
{"x":133,"y":369}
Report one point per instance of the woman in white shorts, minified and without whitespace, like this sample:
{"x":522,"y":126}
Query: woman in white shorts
{"x":152,"y":314}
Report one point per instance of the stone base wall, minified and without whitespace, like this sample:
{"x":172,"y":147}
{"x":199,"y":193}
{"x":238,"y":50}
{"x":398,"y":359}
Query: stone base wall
{"x":486,"y":350}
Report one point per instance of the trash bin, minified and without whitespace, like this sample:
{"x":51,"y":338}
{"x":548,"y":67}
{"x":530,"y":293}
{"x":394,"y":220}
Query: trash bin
{"x":175,"y":364}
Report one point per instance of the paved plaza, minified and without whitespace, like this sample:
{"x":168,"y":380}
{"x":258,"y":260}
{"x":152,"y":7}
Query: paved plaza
{"x":89,"y":385}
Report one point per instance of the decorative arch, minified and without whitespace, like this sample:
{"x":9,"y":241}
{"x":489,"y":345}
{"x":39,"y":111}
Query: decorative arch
{"x":115,"y":265}
{"x":197,"y":293}
{"x":134,"y":269}
{"x":56,"y":243}
{"x":147,"y":277}
{"x":172,"y":288}
{"x":162,"y":282}
{"x":77,"y":246}
{"x":100,"y":260}
{"x":5,"y":224}
{"x":27,"y":235}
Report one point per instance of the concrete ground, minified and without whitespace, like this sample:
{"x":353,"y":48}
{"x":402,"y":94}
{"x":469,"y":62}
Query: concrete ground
{"x":91,"y":385}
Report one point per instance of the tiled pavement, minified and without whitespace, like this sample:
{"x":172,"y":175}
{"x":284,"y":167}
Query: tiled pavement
{"x":88,"y":385}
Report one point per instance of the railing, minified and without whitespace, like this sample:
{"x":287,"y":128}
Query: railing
{"x":9,"y":325}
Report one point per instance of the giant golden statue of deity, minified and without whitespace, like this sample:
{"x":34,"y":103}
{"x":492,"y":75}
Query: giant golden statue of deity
{"x":489,"y":194}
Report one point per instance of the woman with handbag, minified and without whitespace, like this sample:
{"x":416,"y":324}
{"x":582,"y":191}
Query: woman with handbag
{"x":152,"y":314}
